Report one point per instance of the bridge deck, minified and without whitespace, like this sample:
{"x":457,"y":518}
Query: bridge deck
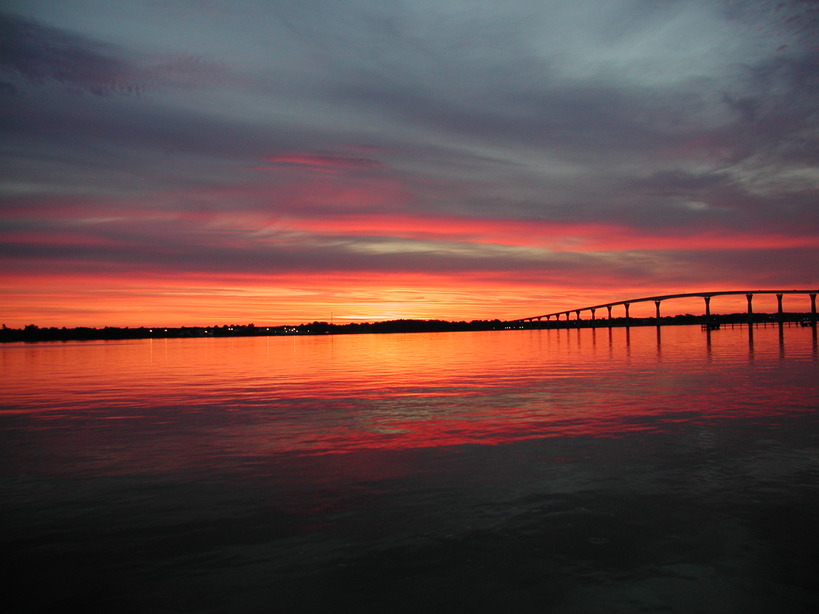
{"x":657,"y":299}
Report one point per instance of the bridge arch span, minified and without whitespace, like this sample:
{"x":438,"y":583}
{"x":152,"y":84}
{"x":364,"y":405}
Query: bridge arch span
{"x":657,"y":300}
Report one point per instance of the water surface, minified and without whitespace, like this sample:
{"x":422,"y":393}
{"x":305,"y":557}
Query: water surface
{"x":607,"y":470}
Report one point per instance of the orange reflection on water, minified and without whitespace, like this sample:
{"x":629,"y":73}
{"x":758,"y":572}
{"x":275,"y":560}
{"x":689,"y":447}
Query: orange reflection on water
{"x":160,"y":405}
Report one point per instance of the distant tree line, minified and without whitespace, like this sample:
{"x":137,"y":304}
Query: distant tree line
{"x":32,"y":332}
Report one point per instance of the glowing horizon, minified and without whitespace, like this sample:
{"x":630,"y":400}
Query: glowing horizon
{"x":169,"y":306}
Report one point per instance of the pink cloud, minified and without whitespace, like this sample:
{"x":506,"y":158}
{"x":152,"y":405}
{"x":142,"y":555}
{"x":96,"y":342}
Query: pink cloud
{"x":556,"y":236}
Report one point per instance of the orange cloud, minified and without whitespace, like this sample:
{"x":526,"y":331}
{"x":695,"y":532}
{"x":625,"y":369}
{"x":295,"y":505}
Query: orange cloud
{"x":557,"y":236}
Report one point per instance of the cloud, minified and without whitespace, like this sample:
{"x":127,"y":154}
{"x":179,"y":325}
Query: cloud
{"x":632,"y":142}
{"x":322,"y":162}
{"x":43,"y":54}
{"x":40,"y":53}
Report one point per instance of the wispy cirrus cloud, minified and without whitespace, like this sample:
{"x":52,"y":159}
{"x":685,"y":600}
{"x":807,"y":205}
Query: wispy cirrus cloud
{"x":318,"y":162}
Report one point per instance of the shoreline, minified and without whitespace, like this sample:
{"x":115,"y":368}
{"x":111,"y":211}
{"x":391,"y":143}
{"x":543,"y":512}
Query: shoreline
{"x":33,"y":333}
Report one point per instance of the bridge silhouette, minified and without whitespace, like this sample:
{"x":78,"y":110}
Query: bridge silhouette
{"x":706,"y":296}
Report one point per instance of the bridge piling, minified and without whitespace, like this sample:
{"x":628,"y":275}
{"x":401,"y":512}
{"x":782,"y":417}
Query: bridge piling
{"x":750,"y":298}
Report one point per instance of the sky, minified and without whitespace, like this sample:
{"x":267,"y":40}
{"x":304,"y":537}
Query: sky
{"x":209,"y":162}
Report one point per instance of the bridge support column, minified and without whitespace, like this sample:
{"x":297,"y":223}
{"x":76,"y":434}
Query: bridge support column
{"x":750,"y":298}
{"x":657,"y":310}
{"x":627,"y":305}
{"x":707,"y":307}
{"x":813,"y":308}
{"x":592,"y":312}
{"x":779,"y":306}
{"x":609,"y":308}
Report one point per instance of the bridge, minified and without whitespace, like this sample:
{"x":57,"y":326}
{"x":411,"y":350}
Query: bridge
{"x":706,"y":296}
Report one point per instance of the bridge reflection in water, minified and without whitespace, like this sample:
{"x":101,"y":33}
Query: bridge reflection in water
{"x":626,"y":341}
{"x":657,"y":300}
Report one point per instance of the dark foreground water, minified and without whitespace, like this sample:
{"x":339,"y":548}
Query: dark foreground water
{"x":638,"y":470}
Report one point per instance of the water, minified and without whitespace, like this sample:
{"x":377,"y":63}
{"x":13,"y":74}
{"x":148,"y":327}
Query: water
{"x":641,"y":470}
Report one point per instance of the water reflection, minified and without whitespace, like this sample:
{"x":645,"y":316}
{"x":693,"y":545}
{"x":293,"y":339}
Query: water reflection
{"x":628,"y":341}
{"x":659,"y":341}
{"x":525,"y":471}
{"x":325,"y":395}
{"x":750,"y":344}
{"x":781,"y":340}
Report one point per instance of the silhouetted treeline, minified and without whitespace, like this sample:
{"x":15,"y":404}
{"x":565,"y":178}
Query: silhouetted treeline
{"x":32,"y":332}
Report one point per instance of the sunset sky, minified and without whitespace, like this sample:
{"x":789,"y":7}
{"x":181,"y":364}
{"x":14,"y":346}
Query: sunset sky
{"x":283,"y":161}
